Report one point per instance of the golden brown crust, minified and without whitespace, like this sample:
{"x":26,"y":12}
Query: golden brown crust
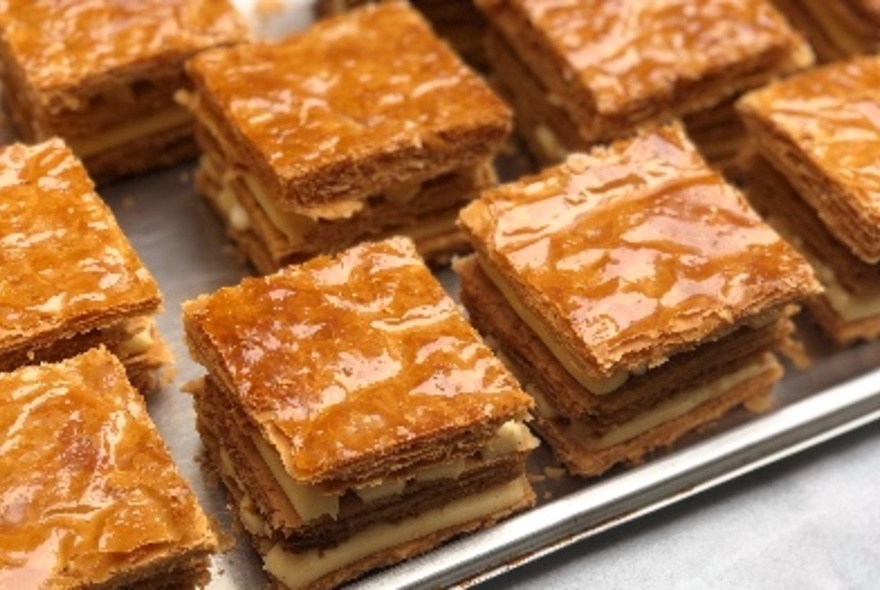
{"x":68,"y":268}
{"x":567,"y":444}
{"x":404,"y":110}
{"x":612,"y":67}
{"x":819,"y":131}
{"x":246,"y":469}
{"x":534,"y":364}
{"x":392,"y":374}
{"x":836,"y":29}
{"x":54,"y":43}
{"x":633,"y":253}
{"x":107,"y":504}
{"x":426,"y":213}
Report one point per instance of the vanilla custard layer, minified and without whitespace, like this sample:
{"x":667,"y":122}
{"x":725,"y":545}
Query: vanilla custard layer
{"x":545,"y":333}
{"x":851,"y":307}
{"x":311,"y":501}
{"x":669,"y":410}
{"x":295,"y":227}
{"x":296,"y":570}
{"x":166,"y":120}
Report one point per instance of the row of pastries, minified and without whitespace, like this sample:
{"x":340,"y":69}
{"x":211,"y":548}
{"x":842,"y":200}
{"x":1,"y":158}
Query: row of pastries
{"x":703,"y":171}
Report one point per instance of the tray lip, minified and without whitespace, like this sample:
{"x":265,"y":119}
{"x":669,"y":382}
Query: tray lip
{"x":664,"y":481}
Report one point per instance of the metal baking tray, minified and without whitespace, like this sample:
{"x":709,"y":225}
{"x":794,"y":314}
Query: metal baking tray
{"x":184,"y":245}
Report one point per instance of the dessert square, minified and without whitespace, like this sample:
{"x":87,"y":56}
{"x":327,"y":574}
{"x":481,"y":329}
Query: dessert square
{"x":628,"y":280}
{"x":585,"y":71}
{"x":353,"y":414}
{"x":457,"y":21}
{"x":848,"y":309}
{"x":103,"y":505}
{"x":819,"y":129}
{"x":374,"y":109}
{"x":836,"y":29}
{"x":70,"y":279}
{"x":103,"y":75}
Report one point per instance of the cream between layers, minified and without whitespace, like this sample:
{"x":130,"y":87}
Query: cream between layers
{"x":298,"y":569}
{"x":166,"y":120}
{"x":849,"y":306}
{"x":545,"y":333}
{"x":312,"y":502}
{"x":673,"y":408}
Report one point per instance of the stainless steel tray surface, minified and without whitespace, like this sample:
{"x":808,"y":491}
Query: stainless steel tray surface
{"x":184,"y":245}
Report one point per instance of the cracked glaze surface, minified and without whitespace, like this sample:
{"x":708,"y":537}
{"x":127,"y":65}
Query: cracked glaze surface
{"x":372,"y":81}
{"x":833,"y":116}
{"x":626,"y":52}
{"x":635,"y":244}
{"x":63,"y":256}
{"x":59,"y":42}
{"x":86,"y":485}
{"x":353,"y":355}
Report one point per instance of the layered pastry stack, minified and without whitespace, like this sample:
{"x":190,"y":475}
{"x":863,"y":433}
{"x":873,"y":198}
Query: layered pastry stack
{"x":102,"y":74}
{"x":585,"y":71}
{"x":836,"y":29}
{"x":365,"y":125}
{"x":633,"y":292}
{"x":70,"y":278}
{"x":90,"y":496}
{"x":457,"y":21}
{"x":820,"y":134}
{"x":354,"y":416}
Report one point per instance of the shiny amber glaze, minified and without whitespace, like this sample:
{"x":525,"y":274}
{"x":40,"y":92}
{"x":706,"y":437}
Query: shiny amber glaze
{"x":61,"y":42}
{"x":640,"y":245}
{"x":87,"y":487}
{"x":627,"y":52}
{"x":354,"y":356}
{"x":373,"y":81}
{"x":63,"y":257}
{"x":833,"y":116}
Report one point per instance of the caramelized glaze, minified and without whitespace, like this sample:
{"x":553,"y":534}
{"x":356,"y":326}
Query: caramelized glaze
{"x":628,"y":52}
{"x":353,"y":356}
{"x":61,"y":42}
{"x":87,"y":488}
{"x":833,"y":116}
{"x":641,"y":242}
{"x":376,"y":80}
{"x":64,"y":258}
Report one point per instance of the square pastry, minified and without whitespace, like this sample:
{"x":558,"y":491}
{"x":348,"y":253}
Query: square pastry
{"x":634,"y":292}
{"x":354,"y":416}
{"x":821,"y":131}
{"x":585,"y":71}
{"x":101,"y":504}
{"x":102,"y":75}
{"x":364,"y":125}
{"x":848,"y":309}
{"x":836,"y":29}
{"x":70,"y":278}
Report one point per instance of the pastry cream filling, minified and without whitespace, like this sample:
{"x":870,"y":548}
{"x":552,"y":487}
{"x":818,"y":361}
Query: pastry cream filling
{"x":849,"y":306}
{"x":312,"y":501}
{"x":669,"y":410}
{"x":296,"y":570}
{"x":296,"y":227}
{"x":98,"y":143}
{"x":550,"y":143}
{"x":139,"y":342}
{"x":597,"y":386}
